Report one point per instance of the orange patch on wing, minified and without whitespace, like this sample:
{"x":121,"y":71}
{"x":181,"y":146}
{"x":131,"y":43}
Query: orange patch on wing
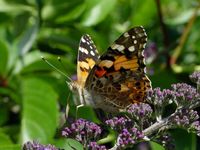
{"x":122,"y":61}
{"x":100,"y":73}
{"x":124,"y":88}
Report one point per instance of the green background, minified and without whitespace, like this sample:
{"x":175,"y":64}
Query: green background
{"x":33,"y":96}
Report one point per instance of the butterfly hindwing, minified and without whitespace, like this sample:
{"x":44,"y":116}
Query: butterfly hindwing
{"x":87,"y":58}
{"x":120,"y":75}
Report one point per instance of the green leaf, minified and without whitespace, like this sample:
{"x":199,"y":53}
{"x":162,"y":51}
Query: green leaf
{"x":26,"y":41}
{"x":184,"y":140}
{"x":145,"y":8}
{"x":40,"y":112}
{"x":73,"y":144}
{"x":3,"y":57}
{"x":13,"y":7}
{"x":11,"y":147}
{"x":5,"y":140}
{"x":156,"y":146}
{"x":98,"y":12}
{"x":6,"y":143}
{"x":73,"y":14}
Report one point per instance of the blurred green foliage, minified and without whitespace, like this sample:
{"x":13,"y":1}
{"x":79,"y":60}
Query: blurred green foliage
{"x":33,"y":96}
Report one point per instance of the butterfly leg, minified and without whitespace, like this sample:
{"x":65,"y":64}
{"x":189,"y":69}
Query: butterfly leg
{"x":77,"y":108}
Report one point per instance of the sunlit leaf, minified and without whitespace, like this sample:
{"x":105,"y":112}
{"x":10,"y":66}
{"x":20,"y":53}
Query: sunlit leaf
{"x":156,"y":146}
{"x":73,"y":14}
{"x":28,"y":38}
{"x":40,"y":112}
{"x":98,"y":12}
{"x":73,"y":144}
{"x":6,"y":143}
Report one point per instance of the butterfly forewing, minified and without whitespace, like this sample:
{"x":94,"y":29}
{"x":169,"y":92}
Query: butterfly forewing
{"x":119,"y":77}
{"x":87,"y":58}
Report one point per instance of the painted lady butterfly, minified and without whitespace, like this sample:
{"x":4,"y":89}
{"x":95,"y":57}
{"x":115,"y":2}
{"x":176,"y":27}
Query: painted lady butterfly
{"x":118,"y":77}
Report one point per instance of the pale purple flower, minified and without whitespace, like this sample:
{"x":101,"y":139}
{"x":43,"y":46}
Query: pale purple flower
{"x":82,"y":129}
{"x":160,"y":98}
{"x":195,"y":77}
{"x":118,"y":123}
{"x":184,"y":118}
{"x":140,"y":111}
{"x":128,"y":137}
{"x":37,"y":146}
{"x":184,"y":93}
{"x":95,"y":146}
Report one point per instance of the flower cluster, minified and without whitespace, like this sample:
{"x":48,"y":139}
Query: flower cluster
{"x":83,"y":131}
{"x":140,"y":111}
{"x":37,"y":146}
{"x":184,"y":94}
{"x":195,"y":77}
{"x":128,"y":137}
{"x":95,"y":146}
{"x":118,"y":123}
{"x":184,"y":118}
{"x":160,"y":98}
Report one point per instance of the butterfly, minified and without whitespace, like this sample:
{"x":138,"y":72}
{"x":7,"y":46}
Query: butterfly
{"x":115,"y":79}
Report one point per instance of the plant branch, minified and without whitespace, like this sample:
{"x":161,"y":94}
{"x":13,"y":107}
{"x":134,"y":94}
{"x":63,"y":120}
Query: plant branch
{"x":164,"y":32}
{"x":164,"y":122}
{"x":184,"y":37}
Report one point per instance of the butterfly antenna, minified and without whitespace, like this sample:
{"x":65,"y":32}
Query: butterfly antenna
{"x":50,"y":64}
{"x":60,"y":61}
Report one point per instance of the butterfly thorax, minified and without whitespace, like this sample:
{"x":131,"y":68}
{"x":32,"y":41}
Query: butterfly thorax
{"x":81,"y":96}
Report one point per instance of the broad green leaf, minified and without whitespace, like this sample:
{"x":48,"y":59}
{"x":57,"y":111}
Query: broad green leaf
{"x":13,"y":8}
{"x":3,"y":57}
{"x":40,"y":112}
{"x":5,"y":140}
{"x":184,"y":140}
{"x":6,"y":143}
{"x":26,"y":41}
{"x":98,"y":12}
{"x":73,"y":144}
{"x":11,"y":147}
{"x":182,"y":18}
{"x":73,"y":14}
{"x":156,"y":146}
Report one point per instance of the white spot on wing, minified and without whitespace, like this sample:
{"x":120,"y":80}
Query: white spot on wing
{"x":131,"y":48}
{"x":126,"y":34}
{"x":121,"y":48}
{"x":135,"y":41}
{"x":92,"y":53}
{"x":133,"y":37}
{"x":83,"y":40}
{"x":144,"y":45}
{"x":145,"y":70}
{"x":83,"y":50}
{"x":142,"y":53}
{"x":115,"y":46}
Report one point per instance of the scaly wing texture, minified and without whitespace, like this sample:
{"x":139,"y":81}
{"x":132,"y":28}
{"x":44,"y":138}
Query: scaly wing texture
{"x":120,"y":75}
{"x":87,"y":58}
